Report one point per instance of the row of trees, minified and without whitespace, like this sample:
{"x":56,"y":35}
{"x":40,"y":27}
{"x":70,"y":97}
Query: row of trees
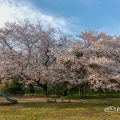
{"x":38,"y":56}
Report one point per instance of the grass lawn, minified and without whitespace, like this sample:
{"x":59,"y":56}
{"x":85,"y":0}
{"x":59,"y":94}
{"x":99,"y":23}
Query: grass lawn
{"x":38,"y":109}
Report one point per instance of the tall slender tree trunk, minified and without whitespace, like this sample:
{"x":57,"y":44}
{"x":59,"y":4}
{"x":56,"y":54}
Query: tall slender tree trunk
{"x":84,"y":89}
{"x":46,"y":89}
{"x":79,"y":90}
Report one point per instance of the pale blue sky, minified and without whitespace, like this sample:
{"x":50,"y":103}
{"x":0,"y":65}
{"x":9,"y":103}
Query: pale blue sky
{"x":100,"y":15}
{"x":71,"y":16}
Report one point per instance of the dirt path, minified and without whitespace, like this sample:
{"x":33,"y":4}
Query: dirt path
{"x":39,"y":99}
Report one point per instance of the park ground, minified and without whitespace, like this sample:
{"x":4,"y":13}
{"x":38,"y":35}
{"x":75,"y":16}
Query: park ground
{"x":35,"y":108}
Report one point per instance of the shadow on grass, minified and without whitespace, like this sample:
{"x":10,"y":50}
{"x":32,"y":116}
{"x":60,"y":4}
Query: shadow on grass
{"x":82,"y":104}
{"x":6,"y":104}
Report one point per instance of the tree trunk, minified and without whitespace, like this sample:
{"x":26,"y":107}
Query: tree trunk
{"x":79,"y":90}
{"x":45,"y":88}
{"x":84,"y":89}
{"x":32,"y":90}
{"x":65,"y":92}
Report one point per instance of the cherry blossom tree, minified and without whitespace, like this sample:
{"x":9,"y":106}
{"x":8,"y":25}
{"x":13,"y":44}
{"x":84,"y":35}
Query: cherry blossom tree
{"x":27,"y":50}
{"x":42,"y":58}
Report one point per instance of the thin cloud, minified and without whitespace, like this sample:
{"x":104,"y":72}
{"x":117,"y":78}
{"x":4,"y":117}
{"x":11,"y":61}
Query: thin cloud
{"x":12,"y":10}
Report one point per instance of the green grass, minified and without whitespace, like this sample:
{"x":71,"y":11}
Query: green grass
{"x":83,"y":110}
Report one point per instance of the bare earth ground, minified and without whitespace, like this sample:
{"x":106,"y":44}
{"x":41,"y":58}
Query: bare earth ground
{"x":43,"y":99}
{"x":38,"y":99}
{"x":35,"y":108}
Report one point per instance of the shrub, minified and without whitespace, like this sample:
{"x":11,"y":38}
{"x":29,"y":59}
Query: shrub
{"x":13,"y":88}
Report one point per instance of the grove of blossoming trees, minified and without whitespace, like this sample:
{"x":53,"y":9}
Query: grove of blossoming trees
{"x":40,"y":57}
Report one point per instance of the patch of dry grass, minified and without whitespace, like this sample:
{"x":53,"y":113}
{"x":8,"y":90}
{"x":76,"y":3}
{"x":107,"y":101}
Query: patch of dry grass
{"x":38,"y":109}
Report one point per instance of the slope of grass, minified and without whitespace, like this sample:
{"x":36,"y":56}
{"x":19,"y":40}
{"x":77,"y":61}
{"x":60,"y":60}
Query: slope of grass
{"x":82,"y":110}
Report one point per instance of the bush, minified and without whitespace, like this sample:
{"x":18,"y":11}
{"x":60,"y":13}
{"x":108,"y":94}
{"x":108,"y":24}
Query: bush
{"x":73,"y":96}
{"x":34,"y":95}
{"x":13,"y":88}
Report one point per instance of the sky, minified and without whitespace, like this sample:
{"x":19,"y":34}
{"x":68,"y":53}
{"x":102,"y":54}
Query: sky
{"x":70,"y":16}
